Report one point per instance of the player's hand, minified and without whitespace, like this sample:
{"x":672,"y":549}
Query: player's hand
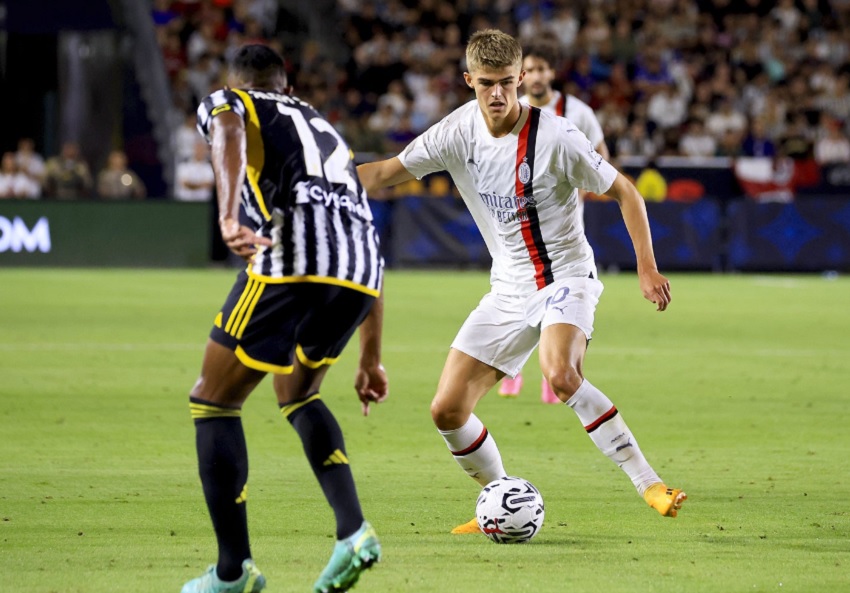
{"x":371,"y":385}
{"x":240,"y":239}
{"x":655,"y":288}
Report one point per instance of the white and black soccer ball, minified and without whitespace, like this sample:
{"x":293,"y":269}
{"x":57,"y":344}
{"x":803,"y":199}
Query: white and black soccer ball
{"x":509,"y":510}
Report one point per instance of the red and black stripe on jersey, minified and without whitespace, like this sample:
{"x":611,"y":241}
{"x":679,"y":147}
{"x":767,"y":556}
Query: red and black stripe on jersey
{"x":530,"y":222}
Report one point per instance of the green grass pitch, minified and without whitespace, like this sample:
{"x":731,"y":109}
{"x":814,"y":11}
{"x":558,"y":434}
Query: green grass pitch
{"x":738,"y":394}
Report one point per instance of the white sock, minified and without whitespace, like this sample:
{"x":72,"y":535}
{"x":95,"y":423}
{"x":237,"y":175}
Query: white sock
{"x":475,"y":451}
{"x":609,"y":433}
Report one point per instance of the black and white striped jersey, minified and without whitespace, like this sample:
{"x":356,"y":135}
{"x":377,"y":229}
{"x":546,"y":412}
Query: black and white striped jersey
{"x":301,"y":191}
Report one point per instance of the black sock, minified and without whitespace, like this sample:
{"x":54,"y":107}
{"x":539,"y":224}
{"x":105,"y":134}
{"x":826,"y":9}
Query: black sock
{"x":223,"y":466}
{"x":323,"y":444}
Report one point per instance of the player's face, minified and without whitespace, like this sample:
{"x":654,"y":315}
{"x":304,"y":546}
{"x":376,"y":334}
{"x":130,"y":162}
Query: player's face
{"x":538,"y":76}
{"x":496,"y":89}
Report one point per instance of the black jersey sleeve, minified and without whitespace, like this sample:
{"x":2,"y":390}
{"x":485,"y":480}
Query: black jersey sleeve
{"x":220,"y":101}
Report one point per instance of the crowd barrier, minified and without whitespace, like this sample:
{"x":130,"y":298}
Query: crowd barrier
{"x":812,"y":234}
{"x":88,"y":233}
{"x":808,"y":235}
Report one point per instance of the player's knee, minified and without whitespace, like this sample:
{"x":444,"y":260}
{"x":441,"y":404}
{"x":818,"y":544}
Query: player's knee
{"x":447,"y":416}
{"x":564,"y":381}
{"x":198,"y":390}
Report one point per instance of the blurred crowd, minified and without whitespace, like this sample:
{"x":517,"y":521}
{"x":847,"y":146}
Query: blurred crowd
{"x":25,"y":174}
{"x":696,"y":78}
{"x":693,"y":78}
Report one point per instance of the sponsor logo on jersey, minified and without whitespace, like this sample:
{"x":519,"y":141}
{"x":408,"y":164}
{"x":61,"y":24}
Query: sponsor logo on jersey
{"x":221,"y":109}
{"x":306,"y":192}
{"x":506,"y":209}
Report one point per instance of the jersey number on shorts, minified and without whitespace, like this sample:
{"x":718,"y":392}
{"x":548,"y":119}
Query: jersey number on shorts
{"x":334,"y":168}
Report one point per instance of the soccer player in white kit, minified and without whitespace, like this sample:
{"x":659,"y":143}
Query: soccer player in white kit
{"x":518,"y":170}
{"x":538,"y":61}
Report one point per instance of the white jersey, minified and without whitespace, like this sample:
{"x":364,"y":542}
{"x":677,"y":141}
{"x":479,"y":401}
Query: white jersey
{"x":575,"y":110}
{"x":520,"y":189}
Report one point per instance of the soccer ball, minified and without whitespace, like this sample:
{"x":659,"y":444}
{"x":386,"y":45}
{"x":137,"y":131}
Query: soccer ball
{"x":509,"y":510}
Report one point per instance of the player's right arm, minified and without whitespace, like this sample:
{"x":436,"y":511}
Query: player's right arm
{"x":229,"y":160}
{"x":381,"y":174}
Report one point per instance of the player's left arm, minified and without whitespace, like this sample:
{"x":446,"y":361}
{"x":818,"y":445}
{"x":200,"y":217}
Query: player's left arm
{"x":371,"y":381}
{"x":653,"y":284}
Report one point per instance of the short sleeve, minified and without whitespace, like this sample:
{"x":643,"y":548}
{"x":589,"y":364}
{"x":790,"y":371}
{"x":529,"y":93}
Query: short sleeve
{"x":426,"y":154}
{"x":594,"y":130}
{"x":585,"y":168}
{"x":219,"y":102}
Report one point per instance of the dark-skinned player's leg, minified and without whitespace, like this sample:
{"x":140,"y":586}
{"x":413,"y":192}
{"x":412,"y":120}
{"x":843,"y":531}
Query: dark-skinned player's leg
{"x":301,"y":404}
{"x":357,"y":546}
{"x":216,"y":401}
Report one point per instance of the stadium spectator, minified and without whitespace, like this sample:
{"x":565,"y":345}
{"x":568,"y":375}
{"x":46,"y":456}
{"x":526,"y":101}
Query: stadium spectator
{"x":67,"y":175}
{"x":13,"y":182}
{"x":726,"y":120}
{"x":668,"y":108}
{"x":186,"y":136}
{"x":696,"y":141}
{"x":832,"y":147}
{"x":30,"y":163}
{"x":636,"y":141}
{"x":194,"y":179}
{"x":757,"y":142}
{"x":116,"y":182}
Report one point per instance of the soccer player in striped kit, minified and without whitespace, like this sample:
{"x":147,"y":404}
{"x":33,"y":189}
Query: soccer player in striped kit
{"x":518,"y":170}
{"x":539,"y":60}
{"x":291,"y":204}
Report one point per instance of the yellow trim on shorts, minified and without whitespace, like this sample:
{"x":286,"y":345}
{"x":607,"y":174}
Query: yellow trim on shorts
{"x":236,"y":322}
{"x":259,"y":365}
{"x":254,"y":300}
{"x":316,"y":279}
{"x":287,"y":409}
{"x":235,"y":312}
{"x":256,"y":150}
{"x":313,"y":364}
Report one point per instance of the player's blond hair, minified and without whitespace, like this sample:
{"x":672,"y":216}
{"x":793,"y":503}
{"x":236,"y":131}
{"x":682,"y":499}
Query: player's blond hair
{"x":493,"y":49}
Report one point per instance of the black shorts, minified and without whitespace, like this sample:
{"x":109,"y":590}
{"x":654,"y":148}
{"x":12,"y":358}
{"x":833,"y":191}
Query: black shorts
{"x":268,"y":324}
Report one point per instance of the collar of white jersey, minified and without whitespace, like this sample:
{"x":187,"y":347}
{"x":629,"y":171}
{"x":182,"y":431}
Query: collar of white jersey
{"x":510,"y":136}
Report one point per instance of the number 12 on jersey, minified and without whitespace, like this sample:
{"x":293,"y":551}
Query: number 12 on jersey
{"x":334,"y":168}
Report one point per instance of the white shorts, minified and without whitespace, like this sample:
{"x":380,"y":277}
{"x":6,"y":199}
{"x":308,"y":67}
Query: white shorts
{"x":503,"y":331}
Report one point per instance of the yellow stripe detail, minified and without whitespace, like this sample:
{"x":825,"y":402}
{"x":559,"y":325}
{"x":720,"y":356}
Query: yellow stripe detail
{"x":289,"y":408}
{"x":207,"y":411}
{"x":243,"y":496}
{"x":336,"y":458}
{"x":218,"y":319}
{"x":238,"y":306}
{"x":313,"y":364}
{"x":256,"y":151}
{"x":318,"y":279}
{"x":259,"y":365}
{"x":232,"y":327}
{"x":254,"y":302}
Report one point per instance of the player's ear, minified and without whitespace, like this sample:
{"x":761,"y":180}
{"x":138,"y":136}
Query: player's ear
{"x":467,"y":77}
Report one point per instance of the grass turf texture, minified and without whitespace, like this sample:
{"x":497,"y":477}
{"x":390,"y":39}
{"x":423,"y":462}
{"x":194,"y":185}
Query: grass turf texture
{"x":738,"y":394}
